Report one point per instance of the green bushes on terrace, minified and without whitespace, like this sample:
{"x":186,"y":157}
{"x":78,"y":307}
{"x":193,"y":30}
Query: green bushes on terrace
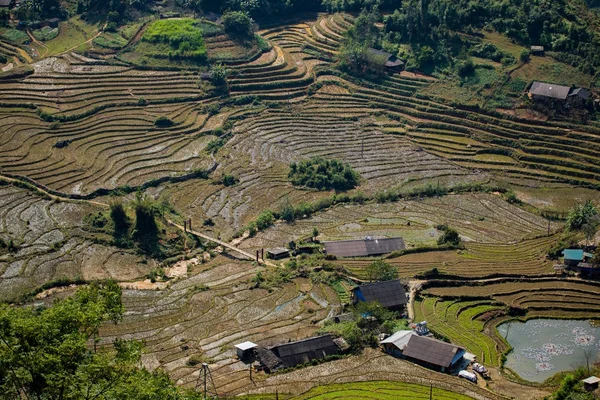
{"x":322,"y":174}
{"x":183,"y":36}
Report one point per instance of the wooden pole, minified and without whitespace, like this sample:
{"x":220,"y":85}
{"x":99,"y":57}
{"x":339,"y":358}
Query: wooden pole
{"x":185,"y":226}
{"x":190,"y":224}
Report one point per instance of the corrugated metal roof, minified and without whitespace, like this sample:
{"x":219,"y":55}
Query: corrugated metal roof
{"x":573,"y":254}
{"x":246,"y":346}
{"x":388,"y":293}
{"x":306,"y":350}
{"x":591,"y":380}
{"x":432,"y":351}
{"x":399,"y":339}
{"x":364,"y":247}
{"x":5,"y":3}
{"x":278,"y":251}
{"x":581,"y":92}
{"x":549,"y":90}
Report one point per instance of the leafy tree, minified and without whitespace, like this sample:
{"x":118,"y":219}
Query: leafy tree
{"x":450,"y":236}
{"x":119,"y":217}
{"x":581,"y":215}
{"x":238,"y":24}
{"x":288,"y":213}
{"x":264,"y":220}
{"x":381,"y":271}
{"x":322,"y":174}
{"x":218,"y":74}
{"x":145,"y":217}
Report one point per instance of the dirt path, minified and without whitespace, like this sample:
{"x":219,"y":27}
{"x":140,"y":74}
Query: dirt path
{"x":414,"y":287}
{"x":100,"y":32}
{"x":34,"y":40}
{"x":224,"y":244}
{"x":52,"y":196}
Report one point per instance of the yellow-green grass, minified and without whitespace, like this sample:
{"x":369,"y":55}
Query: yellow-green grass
{"x":73,"y":34}
{"x":379,"y":390}
{"x":547,"y":69}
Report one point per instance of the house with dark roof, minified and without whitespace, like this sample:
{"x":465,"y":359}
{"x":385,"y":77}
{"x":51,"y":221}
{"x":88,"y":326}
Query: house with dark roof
{"x":433,"y":353}
{"x":295,"y":353}
{"x":548,"y":91}
{"x":278,"y":253}
{"x":537,"y":50}
{"x":384,"y":60}
{"x":364,"y":247}
{"x":7,"y":3}
{"x":390,"y":294}
{"x":396,"y":343}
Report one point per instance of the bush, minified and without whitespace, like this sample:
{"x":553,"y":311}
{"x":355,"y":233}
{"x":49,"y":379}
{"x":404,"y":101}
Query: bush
{"x":228,"y":180}
{"x":264,"y":220}
{"x":238,"y":24}
{"x":163,"y":122}
{"x":450,"y":236}
{"x":322,"y":174}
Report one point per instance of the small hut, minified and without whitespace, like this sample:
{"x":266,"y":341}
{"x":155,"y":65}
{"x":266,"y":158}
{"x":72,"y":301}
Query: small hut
{"x":277,"y":253}
{"x":245,"y":350}
{"x":590,"y":384}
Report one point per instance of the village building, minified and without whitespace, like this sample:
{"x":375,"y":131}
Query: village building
{"x":549,"y":92}
{"x":364,"y":247}
{"x":572,"y":257}
{"x":385,"y":61}
{"x":590,"y":384}
{"x":278,"y":253}
{"x":7,"y":3}
{"x":433,"y":353}
{"x":537,"y":50}
{"x":300,"y":352}
{"x":245,"y":350}
{"x":390,"y":294}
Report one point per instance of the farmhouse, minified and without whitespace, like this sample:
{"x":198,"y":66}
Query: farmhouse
{"x":550,"y":92}
{"x":432,"y":353}
{"x":384,"y":60}
{"x":295,"y":353}
{"x":277,"y":253}
{"x":390,"y":294}
{"x":575,"y":256}
{"x":7,"y":3}
{"x":364,"y":247}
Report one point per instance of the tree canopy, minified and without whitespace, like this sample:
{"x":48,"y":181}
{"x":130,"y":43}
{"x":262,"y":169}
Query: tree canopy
{"x":381,"y":271}
{"x":323,"y":174}
{"x":47,"y":353}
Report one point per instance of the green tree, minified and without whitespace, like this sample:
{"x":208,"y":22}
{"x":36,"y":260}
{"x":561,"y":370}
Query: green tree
{"x":218,"y":74}
{"x":581,"y":215}
{"x":238,"y":24}
{"x":450,"y":236}
{"x":119,"y":217}
{"x":381,"y":271}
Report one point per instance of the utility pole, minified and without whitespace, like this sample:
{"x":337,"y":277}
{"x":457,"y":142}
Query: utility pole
{"x":430,"y":391}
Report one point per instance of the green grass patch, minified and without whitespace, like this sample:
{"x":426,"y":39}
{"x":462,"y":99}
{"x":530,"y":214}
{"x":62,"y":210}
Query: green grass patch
{"x":110,"y":41}
{"x":183,"y":37}
{"x":378,"y":390}
{"x":16,"y":36}
{"x":46,"y":33}
{"x":73,"y":34}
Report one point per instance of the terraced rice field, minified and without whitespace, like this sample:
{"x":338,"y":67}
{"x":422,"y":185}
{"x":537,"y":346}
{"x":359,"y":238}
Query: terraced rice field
{"x":52,"y":245}
{"x":467,"y":313}
{"x":379,"y":391}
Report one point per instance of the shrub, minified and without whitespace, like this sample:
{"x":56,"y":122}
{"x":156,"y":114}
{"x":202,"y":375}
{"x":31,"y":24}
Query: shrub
{"x":264,"y":220}
{"x":163,"y":122}
{"x":119,"y":217}
{"x":381,"y":271}
{"x":450,"y":236}
{"x":238,"y":24}
{"x":323,"y":174}
{"x":228,"y":180}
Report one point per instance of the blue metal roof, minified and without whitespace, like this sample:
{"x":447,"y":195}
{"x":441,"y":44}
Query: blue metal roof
{"x":573,"y":254}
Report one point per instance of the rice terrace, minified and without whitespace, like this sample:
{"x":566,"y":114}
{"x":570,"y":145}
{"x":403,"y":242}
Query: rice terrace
{"x":320,"y":199}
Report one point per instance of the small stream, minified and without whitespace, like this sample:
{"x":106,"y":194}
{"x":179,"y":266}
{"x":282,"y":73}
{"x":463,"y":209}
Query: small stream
{"x":543,"y":347}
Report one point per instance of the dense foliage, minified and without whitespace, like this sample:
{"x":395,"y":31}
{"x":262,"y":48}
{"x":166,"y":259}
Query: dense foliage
{"x":45,"y":352}
{"x":322,"y":174}
{"x":449,"y":236}
{"x":183,"y":36}
{"x":238,"y":25}
{"x":381,"y":271}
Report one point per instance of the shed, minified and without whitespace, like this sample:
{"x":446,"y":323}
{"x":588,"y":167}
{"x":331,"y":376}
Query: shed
{"x":364,"y":247}
{"x":432,"y":353}
{"x":53,"y":22}
{"x":537,"y":50}
{"x":391,"y":294}
{"x":385,"y":60}
{"x":268,"y":360}
{"x":579,"y":95}
{"x":277,"y":253}
{"x":548,"y":91}
{"x":573,"y":257}
{"x":304,"y":351}
{"x":245,"y":349}
{"x":396,"y":343}
{"x":591,"y":383}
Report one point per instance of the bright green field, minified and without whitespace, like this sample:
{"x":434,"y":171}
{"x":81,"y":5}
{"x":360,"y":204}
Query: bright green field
{"x":380,"y":390}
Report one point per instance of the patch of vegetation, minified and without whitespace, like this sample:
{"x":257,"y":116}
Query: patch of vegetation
{"x":238,"y":25}
{"x":46,"y":33}
{"x":183,"y":36}
{"x":449,"y":237}
{"x":163,"y":122}
{"x":322,"y":174}
{"x":381,"y":271}
{"x":52,"y":345}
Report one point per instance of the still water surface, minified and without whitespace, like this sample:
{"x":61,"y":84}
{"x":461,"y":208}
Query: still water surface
{"x":543,"y":347}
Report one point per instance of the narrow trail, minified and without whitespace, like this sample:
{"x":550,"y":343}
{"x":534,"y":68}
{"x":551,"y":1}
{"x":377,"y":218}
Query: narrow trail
{"x":222,"y":243}
{"x":100,"y":32}
{"x":34,"y":40}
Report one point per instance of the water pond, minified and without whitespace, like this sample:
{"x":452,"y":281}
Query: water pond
{"x":543,"y":347}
